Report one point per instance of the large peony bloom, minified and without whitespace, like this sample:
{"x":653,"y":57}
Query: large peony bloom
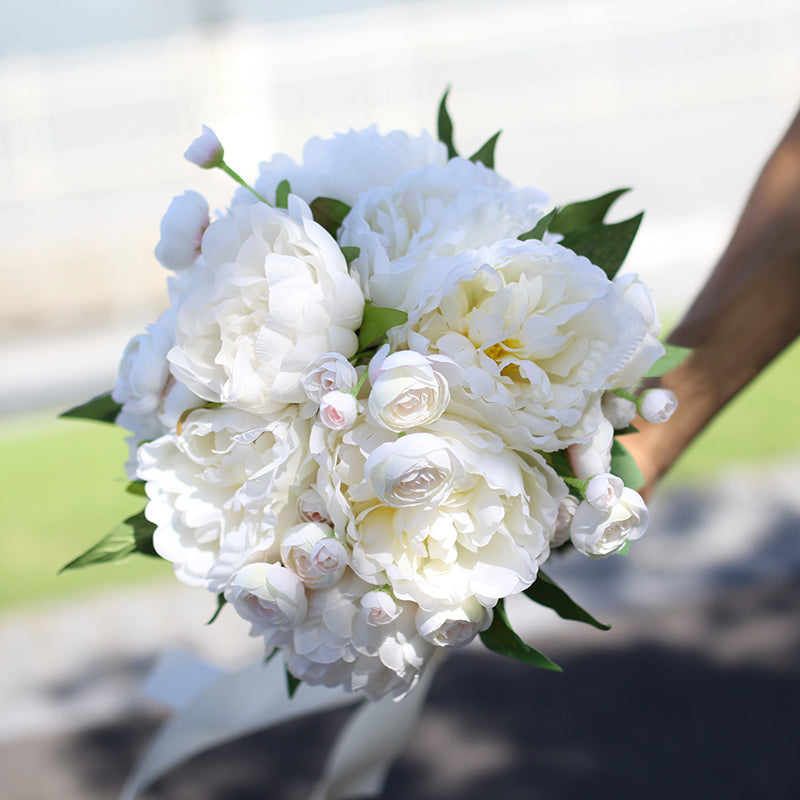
{"x":222,"y":490}
{"x":274,"y":294}
{"x":443,"y":516}
{"x":538,"y":331}
{"x":347,"y":164}
{"x":432,"y":212}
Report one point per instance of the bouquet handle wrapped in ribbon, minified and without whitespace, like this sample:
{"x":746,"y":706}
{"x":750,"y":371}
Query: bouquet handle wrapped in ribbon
{"x":387,"y":388}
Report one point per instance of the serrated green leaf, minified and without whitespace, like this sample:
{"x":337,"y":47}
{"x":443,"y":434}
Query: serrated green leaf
{"x":624,"y":466}
{"x":674,"y":357}
{"x":485,"y":153}
{"x":329,"y":213}
{"x":376,"y":321}
{"x":292,"y":684}
{"x":136,"y":488}
{"x":282,"y":192}
{"x":350,"y":253}
{"x":221,"y":601}
{"x":538,"y":231}
{"x":585,"y":212}
{"x":604,"y":245}
{"x":134,"y":535}
{"x":500,"y":638}
{"x":102,"y":408}
{"x":444,"y":127}
{"x":546,"y":592}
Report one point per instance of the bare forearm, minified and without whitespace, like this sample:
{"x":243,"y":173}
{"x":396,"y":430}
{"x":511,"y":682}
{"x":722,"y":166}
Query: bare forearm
{"x":746,"y":314}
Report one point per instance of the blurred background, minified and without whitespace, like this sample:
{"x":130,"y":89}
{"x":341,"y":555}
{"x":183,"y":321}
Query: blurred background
{"x":697,"y":689}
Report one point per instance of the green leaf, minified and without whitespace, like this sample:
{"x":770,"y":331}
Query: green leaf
{"x":292,"y":683}
{"x":674,"y":357}
{"x":136,"y":488}
{"x":546,"y":592}
{"x":624,"y":466}
{"x":282,"y":192}
{"x":350,"y":253}
{"x":376,"y":321}
{"x":101,"y":408}
{"x":626,"y":431}
{"x":444,"y":126}
{"x":500,"y":638}
{"x":329,"y":213}
{"x":134,"y":535}
{"x":586,"y":212}
{"x":539,"y":230}
{"x":221,"y":601}
{"x":604,"y":245}
{"x":485,"y":153}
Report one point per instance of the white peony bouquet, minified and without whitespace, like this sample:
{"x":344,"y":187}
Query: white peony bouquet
{"x":387,"y":387}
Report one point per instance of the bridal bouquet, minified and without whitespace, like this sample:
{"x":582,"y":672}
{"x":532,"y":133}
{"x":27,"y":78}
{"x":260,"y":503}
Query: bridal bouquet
{"x":387,"y":388}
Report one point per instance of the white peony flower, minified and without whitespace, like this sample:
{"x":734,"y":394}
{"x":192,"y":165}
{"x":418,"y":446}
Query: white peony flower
{"x":407,"y":391}
{"x":206,"y":150}
{"x":223,"y":489}
{"x":338,"y":410}
{"x":657,"y":405}
{"x":537,"y":330}
{"x":453,"y":627}
{"x":336,"y":646}
{"x":275,"y":295}
{"x":429,"y":213}
{"x":269,"y":596}
{"x":182,"y":229}
{"x":311,"y":552}
{"x":346,"y":165}
{"x":603,"y":491}
{"x":599,"y":533}
{"x":441,"y":517}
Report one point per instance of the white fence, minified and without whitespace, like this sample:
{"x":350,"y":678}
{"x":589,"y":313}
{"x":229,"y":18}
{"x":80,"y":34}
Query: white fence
{"x":680,"y":98}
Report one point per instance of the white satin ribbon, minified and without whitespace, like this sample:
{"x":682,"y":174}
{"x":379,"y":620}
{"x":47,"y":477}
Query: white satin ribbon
{"x":256,"y":698}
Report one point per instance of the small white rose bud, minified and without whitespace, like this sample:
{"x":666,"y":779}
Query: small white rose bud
{"x":619,"y":411}
{"x":268,"y":596}
{"x":599,"y":533}
{"x":206,"y":150}
{"x":604,"y":491}
{"x":566,"y":511}
{"x":182,"y":229}
{"x":379,"y":608}
{"x":590,"y":458}
{"x":338,"y":410}
{"x":326,"y":373}
{"x":453,"y":627}
{"x":311,"y":507}
{"x":657,"y":405}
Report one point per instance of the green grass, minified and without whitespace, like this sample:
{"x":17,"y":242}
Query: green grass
{"x":64,"y":484}
{"x":63,"y":489}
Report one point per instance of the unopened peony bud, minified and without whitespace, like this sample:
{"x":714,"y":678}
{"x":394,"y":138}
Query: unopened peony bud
{"x":590,"y":458}
{"x":657,"y":405}
{"x":619,"y":411}
{"x":604,"y":491}
{"x":338,"y":410}
{"x":206,"y":150}
{"x":182,"y":229}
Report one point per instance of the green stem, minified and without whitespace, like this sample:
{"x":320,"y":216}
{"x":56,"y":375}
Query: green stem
{"x":238,"y":178}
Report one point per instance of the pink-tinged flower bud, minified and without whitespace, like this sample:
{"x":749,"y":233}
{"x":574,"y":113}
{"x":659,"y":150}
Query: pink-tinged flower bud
{"x":604,"y":491}
{"x":566,"y":511}
{"x":206,"y":150}
{"x":338,"y":410}
{"x":657,"y":405}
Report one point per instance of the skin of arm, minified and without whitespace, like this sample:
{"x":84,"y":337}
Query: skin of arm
{"x":745,"y":315}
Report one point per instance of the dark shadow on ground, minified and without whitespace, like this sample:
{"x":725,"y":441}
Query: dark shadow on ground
{"x":644,"y":711}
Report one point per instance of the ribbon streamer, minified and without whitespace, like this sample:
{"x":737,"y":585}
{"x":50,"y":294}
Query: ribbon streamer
{"x":256,"y":698}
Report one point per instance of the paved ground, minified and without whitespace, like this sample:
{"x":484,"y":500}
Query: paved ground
{"x":695,"y":693}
